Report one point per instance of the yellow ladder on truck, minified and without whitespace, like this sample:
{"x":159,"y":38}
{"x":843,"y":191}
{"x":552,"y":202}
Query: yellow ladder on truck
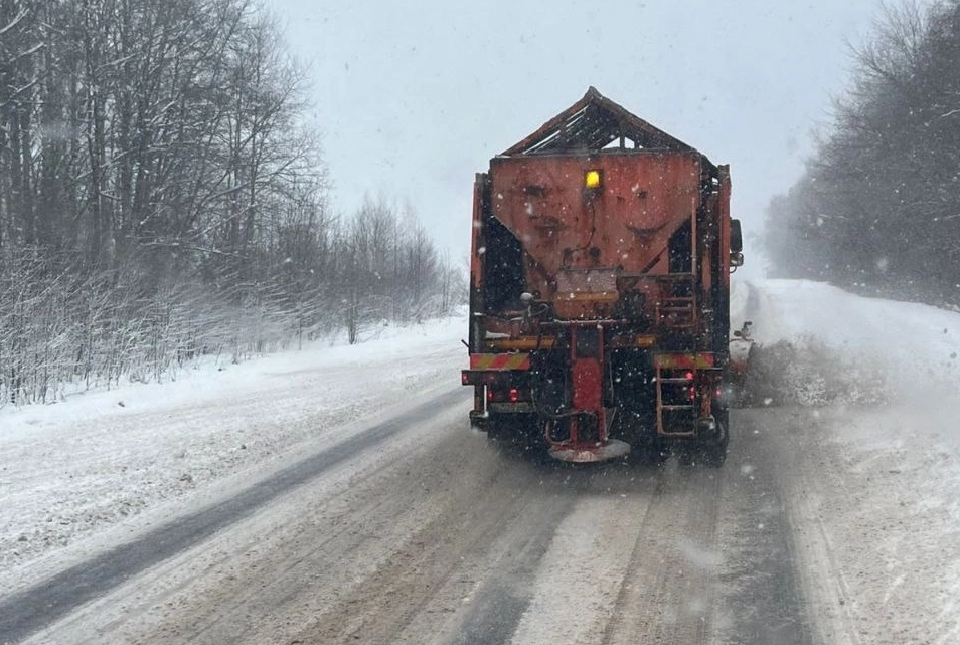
{"x":675,"y":416}
{"x":676,"y":302}
{"x":676,"y":311}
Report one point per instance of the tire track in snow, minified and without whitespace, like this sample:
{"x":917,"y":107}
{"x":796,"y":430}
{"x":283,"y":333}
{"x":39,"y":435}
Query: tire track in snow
{"x":37,"y":607}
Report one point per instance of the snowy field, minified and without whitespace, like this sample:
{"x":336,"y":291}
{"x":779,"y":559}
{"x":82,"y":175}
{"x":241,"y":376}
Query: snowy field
{"x":85,"y":472}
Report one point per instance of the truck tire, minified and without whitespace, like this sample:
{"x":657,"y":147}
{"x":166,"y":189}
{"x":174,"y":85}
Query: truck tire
{"x":652,"y":451}
{"x":707,"y":451}
{"x":512,"y":429}
{"x":714,"y":451}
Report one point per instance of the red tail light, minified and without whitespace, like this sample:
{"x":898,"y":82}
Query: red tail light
{"x":514,"y":395}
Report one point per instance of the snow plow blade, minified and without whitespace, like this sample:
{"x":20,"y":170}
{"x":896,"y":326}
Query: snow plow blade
{"x":743,"y":352}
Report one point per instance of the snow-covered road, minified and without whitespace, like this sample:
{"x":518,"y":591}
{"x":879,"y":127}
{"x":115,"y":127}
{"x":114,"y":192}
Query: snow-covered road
{"x":132,"y":457}
{"x":837,"y":524}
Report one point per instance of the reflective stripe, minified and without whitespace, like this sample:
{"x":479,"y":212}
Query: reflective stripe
{"x":499,"y":361}
{"x":690,"y":361}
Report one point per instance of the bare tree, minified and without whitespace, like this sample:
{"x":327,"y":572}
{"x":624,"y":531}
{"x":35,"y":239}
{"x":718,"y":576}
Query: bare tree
{"x":880,"y":196}
{"x":161,"y":198}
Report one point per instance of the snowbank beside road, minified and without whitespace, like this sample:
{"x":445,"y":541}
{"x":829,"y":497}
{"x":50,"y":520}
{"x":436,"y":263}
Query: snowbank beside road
{"x":917,"y":346}
{"x":877,"y":505}
{"x":130,"y":456}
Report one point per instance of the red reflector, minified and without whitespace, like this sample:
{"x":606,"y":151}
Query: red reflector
{"x":514,"y":395}
{"x":688,"y":376}
{"x":464,"y":378}
{"x":717,"y":393}
{"x":489,"y":395}
{"x":692,"y":394}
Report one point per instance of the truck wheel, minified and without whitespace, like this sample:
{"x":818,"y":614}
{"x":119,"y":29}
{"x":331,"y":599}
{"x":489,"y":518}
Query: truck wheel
{"x":714,"y":451}
{"x":652,"y":451}
{"x":688,"y":453}
{"x":478,"y":423}
{"x":714,"y":455}
{"x":513,"y":429}
{"x":494,"y":427}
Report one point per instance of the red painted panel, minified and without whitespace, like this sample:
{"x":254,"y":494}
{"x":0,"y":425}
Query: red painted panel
{"x":587,"y":384}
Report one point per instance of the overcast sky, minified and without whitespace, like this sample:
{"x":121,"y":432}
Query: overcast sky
{"x":413,"y":98}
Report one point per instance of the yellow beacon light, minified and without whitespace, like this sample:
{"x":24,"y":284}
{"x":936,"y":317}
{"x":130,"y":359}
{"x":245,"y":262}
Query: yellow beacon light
{"x":592,"y":179}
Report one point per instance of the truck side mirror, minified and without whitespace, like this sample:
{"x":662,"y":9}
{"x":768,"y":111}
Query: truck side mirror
{"x":736,"y":243}
{"x":736,"y":236}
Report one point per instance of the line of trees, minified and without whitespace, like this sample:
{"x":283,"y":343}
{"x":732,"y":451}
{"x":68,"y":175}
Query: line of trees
{"x":879,"y":205}
{"x":161,"y":198}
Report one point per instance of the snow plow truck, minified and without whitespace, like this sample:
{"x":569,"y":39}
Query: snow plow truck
{"x":601,"y":255}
